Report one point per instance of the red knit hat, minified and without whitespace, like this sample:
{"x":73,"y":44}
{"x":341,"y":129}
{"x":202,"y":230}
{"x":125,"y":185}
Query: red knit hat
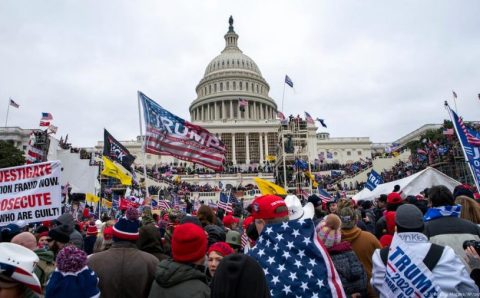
{"x":189,"y":243}
{"x":394,"y":198}
{"x":269,"y":207}
{"x":108,"y":233}
{"x":228,"y":220}
{"x":222,"y":248}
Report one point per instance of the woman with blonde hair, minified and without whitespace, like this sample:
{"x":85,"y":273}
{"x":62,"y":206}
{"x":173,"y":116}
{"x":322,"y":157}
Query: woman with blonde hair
{"x":470,"y":209}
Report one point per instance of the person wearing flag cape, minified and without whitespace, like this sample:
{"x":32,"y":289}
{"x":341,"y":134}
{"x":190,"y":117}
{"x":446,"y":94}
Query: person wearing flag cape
{"x":414,"y":267}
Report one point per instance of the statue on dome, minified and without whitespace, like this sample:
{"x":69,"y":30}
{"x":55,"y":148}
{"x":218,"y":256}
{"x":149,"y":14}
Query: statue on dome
{"x":230,"y":21}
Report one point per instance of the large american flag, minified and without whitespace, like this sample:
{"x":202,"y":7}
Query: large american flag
{"x":225,"y":203}
{"x":295,"y":263}
{"x":168,"y":134}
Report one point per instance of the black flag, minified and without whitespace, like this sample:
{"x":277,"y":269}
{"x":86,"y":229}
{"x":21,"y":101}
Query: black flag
{"x":116,"y":151}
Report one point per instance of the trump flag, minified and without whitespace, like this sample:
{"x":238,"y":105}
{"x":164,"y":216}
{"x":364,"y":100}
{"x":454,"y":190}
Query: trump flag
{"x":168,"y":134}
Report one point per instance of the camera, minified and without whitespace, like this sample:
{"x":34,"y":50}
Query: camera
{"x":473,"y":243}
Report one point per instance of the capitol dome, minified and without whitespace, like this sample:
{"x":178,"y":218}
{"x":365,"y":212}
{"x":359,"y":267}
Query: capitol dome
{"x":232,"y":88}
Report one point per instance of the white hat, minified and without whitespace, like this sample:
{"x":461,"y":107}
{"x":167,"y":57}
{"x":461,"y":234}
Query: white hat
{"x":295,"y":209}
{"x":18,"y":263}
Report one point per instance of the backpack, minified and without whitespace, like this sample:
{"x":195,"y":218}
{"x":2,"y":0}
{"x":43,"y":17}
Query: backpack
{"x":431,"y":258}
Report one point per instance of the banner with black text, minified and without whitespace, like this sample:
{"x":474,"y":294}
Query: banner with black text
{"x":31,"y":193}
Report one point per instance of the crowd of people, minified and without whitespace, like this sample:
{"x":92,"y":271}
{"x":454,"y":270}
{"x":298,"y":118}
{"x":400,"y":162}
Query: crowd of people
{"x":422,"y":245}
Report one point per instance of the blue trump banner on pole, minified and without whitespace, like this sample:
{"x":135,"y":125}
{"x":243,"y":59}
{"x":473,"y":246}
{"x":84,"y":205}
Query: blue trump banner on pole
{"x":373,"y":180}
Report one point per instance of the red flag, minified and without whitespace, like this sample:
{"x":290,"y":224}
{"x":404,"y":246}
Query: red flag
{"x":44,"y":123}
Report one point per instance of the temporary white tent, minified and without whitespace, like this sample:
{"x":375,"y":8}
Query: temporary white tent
{"x":411,"y":185}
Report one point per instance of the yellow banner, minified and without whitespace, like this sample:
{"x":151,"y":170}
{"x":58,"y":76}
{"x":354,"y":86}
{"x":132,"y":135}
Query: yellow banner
{"x":269,"y":188}
{"x":113,"y":170}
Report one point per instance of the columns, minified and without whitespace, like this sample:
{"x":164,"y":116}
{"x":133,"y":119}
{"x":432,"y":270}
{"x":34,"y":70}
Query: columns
{"x":208,"y":111}
{"x":215,"y":117}
{"x":247,"y":149}
{"x":260,"y":142}
{"x":231,"y":109}
{"x":224,"y":116}
{"x":255,"y":111}
{"x":266,"y":144}
{"x":234,"y":153}
{"x":201,"y":113}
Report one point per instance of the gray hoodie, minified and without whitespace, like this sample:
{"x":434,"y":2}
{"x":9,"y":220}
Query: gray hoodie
{"x":75,"y":236}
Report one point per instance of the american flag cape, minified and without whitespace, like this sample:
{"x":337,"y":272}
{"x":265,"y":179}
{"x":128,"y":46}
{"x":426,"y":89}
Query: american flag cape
{"x":295,"y":263}
{"x":164,"y":205}
{"x":168,"y":134}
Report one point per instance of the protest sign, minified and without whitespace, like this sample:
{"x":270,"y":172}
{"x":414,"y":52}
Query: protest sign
{"x":31,"y":193}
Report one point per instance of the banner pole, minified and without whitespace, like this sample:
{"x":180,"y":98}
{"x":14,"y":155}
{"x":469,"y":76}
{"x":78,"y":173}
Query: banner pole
{"x":143,"y":147}
{"x":461,"y":145}
{"x":283,"y":96}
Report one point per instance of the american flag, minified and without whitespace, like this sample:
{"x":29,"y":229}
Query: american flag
{"x":244,"y":239}
{"x":242,"y":102}
{"x":295,"y":262}
{"x":324,"y":195}
{"x":448,"y":131}
{"x":281,"y":116}
{"x":164,"y":205}
{"x":309,"y":118}
{"x":225,"y":203}
{"x":44,"y":123}
{"x":168,"y":134}
{"x":46,"y":116}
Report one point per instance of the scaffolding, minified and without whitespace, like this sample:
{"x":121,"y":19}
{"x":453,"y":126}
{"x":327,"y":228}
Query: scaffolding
{"x":293,"y":147}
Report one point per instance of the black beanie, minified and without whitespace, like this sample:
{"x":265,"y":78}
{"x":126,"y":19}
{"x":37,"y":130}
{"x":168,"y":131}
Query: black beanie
{"x":239,"y":276}
{"x":60,"y":233}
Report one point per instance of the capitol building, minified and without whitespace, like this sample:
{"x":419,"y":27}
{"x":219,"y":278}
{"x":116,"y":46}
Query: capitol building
{"x":249,"y":131}
{"x":233,"y":102}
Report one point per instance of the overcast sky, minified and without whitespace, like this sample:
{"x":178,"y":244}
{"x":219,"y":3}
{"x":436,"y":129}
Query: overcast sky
{"x":369,"y":68}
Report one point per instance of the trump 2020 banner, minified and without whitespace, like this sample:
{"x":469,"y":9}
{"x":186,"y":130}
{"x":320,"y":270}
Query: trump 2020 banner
{"x":168,"y":134}
{"x":31,"y":193}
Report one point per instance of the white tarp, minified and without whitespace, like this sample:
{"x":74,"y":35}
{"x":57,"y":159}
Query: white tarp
{"x":411,"y":185}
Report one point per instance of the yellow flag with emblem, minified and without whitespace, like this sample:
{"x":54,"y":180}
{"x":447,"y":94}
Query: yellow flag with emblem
{"x":114,"y":170}
{"x":91,"y":198}
{"x":269,"y":188}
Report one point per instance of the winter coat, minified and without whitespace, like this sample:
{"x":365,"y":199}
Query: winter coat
{"x":89,"y":243}
{"x":177,"y":280}
{"x":123,"y":270}
{"x":363,"y":244}
{"x":452,"y":231}
{"x":352,"y":274}
{"x":45,"y":266}
{"x":449,"y":273}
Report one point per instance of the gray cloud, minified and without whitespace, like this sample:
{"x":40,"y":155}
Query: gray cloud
{"x":369,"y":68}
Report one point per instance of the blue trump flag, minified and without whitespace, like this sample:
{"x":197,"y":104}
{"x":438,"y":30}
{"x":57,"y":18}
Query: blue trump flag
{"x":468,"y":142}
{"x":295,"y":262}
{"x":373,"y":180}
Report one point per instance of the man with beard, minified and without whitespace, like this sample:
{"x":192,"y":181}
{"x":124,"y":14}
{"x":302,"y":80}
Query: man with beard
{"x":58,"y":238}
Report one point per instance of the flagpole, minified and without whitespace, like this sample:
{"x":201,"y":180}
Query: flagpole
{"x":283,"y":96}
{"x":8,"y":109}
{"x":143,"y":147}
{"x":461,"y":145}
